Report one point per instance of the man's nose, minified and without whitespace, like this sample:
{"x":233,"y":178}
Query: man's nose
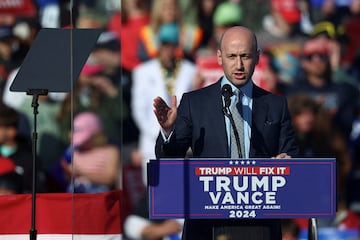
{"x":239,"y":63}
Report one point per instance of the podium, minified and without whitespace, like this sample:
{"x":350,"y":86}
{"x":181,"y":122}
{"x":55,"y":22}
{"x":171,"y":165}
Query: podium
{"x":242,"y":188}
{"x":249,"y":188}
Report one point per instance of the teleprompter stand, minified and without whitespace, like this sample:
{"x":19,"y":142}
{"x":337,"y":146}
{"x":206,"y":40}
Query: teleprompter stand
{"x":52,"y":64}
{"x":34,"y":104}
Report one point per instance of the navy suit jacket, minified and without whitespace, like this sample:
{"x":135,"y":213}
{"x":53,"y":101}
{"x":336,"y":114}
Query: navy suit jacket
{"x":200,"y":124}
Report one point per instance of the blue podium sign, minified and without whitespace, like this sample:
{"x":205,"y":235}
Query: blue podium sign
{"x":244,"y":188}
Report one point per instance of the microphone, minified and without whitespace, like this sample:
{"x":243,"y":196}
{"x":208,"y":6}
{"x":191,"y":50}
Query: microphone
{"x":226,"y":92}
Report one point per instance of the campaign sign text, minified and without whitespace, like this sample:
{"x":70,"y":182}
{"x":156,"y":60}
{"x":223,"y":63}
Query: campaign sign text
{"x":244,"y":188}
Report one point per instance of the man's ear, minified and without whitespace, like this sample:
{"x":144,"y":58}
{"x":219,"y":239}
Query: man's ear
{"x":218,"y":54}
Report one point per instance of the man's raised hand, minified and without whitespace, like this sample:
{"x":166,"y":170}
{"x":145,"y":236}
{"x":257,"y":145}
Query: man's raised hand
{"x":165,"y":115}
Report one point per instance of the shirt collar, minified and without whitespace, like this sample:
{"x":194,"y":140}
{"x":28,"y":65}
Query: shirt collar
{"x":246,"y":89}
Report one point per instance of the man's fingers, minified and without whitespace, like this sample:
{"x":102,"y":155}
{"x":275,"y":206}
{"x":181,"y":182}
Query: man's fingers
{"x":173,"y":101}
{"x":160,"y":109}
{"x":282,"y":155}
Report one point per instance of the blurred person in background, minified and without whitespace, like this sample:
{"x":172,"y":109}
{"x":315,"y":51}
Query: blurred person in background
{"x":138,"y":226}
{"x":7,"y":45}
{"x":338,"y":40}
{"x":341,"y":50}
{"x":92,"y":160}
{"x":24,"y":32}
{"x":267,"y":74}
{"x":11,"y":10}
{"x":317,"y":79}
{"x":133,"y":188}
{"x":354,"y":181}
{"x":133,"y":16}
{"x":284,"y":18}
{"x":351,"y":57}
{"x":253,"y":11}
{"x":168,"y":12}
{"x":188,"y":10}
{"x":335,"y":11}
{"x":17,"y":147}
{"x":90,"y":17}
{"x":96,"y":11}
{"x":290,"y":229}
{"x":343,"y":44}
{"x":126,"y":23}
{"x":164,"y":76}
{"x":49,"y":13}
{"x":11,"y":182}
{"x":333,"y":37}
{"x":94,"y":91}
{"x":283,"y":36}
{"x":317,"y":137}
{"x":205,"y":11}
{"x":49,"y":146}
{"x":106,"y":53}
{"x":49,"y":143}
{"x":226,"y":14}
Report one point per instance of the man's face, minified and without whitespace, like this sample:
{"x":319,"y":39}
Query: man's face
{"x":304,"y":121}
{"x":315,"y":59}
{"x":315,"y":63}
{"x":238,"y":56}
{"x":167,"y":53}
{"x":107,"y":58}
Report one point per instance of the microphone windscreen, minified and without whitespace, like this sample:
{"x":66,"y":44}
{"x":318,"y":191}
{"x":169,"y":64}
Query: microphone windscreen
{"x":226,"y":91}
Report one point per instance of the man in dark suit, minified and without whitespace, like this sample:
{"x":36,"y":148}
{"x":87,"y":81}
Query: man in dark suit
{"x":199,"y":123}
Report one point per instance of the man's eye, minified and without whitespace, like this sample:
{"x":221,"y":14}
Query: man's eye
{"x":245,"y":57}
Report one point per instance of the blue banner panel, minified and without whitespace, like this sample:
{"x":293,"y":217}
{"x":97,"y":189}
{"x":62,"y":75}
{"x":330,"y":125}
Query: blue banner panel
{"x":244,"y":188}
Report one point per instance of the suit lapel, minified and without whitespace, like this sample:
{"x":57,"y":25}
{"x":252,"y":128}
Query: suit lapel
{"x":259,"y":111}
{"x":215,"y":102}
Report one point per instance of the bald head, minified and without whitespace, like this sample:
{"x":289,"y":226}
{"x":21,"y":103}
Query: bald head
{"x":238,"y":32}
{"x":238,"y":54}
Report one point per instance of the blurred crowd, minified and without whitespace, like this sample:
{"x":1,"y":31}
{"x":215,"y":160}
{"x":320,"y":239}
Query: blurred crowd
{"x":78,"y":133}
{"x":100,"y":135}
